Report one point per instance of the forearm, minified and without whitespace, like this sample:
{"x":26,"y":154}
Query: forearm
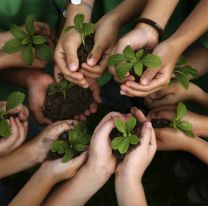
{"x":34,"y":192}
{"x":130,"y":193}
{"x":186,"y":35}
{"x":80,"y":189}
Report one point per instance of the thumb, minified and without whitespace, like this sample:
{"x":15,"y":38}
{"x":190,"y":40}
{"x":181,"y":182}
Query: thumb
{"x":148,"y":76}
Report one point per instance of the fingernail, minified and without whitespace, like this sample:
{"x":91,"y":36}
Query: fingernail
{"x":91,"y":61}
{"x":122,"y":92}
{"x":144,"y":81}
{"x":148,"y":124}
{"x":134,"y":109}
{"x":73,"y":67}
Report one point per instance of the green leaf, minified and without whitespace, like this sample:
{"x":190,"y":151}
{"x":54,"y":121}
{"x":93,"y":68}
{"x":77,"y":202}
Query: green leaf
{"x":181,"y":111}
{"x":84,"y":139}
{"x":130,"y":124}
{"x":39,"y":39}
{"x":186,"y":127}
{"x":79,"y":21}
{"x":139,"y":54}
{"x":128,"y":52}
{"x":80,"y":147}
{"x":138,"y":68}
{"x":14,"y":99}
{"x":27,"y":54}
{"x":188,"y":70}
{"x":2,"y":113}
{"x":182,"y":79}
{"x":152,"y":61}
{"x":68,"y":28}
{"x":69,"y":153}
{"x":18,"y":32}
{"x":44,"y":52}
{"x":115,"y":59}
{"x":58,"y":146}
{"x":25,"y":41}
{"x":63,"y":84}
{"x":12,"y":46}
{"x":73,"y":136}
{"x":189,"y":133}
{"x":122,"y":69}
{"x":29,"y":24}
{"x":5,"y":130}
{"x":88,"y":28}
{"x":181,"y":61}
{"x":124,"y":146}
{"x":120,"y":125}
{"x":116,"y":142}
{"x":133,"y":139}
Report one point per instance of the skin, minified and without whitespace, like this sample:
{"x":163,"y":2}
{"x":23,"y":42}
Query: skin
{"x":169,"y":51}
{"x":19,"y":128}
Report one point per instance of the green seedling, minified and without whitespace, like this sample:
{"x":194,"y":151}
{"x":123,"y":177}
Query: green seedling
{"x":14,"y":99}
{"x":133,"y":60}
{"x":28,"y":43}
{"x":178,"y":124}
{"x":123,"y":142}
{"x":61,"y":87}
{"x":77,"y":142}
{"x":85,"y":29}
{"x":183,"y":72}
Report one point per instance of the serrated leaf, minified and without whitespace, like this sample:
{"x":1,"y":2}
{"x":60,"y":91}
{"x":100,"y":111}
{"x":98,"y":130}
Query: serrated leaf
{"x":124,"y":146}
{"x":27,"y":54}
{"x":29,"y":24}
{"x":181,"y":61}
{"x":139,"y":54}
{"x":58,"y":146}
{"x":181,"y":111}
{"x":80,"y":147}
{"x":133,"y":139}
{"x":88,"y":28}
{"x":152,"y":61}
{"x":5,"y":130}
{"x":39,"y":39}
{"x":79,"y":21}
{"x":12,"y":46}
{"x":128,"y":52}
{"x":26,"y":41}
{"x":14,"y":99}
{"x":44,"y":52}
{"x":69,"y":153}
{"x":138,"y":68}
{"x":120,"y":125}
{"x":18,"y":32}
{"x":182,"y":79}
{"x":84,"y":139}
{"x":116,"y":142}
{"x":115,"y":59}
{"x":130,"y":124}
{"x":73,"y":136}
{"x":122,"y":69}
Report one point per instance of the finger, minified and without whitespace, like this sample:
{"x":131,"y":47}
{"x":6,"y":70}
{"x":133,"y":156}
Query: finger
{"x":89,"y":74}
{"x":40,"y":117}
{"x":146,"y":133}
{"x":162,"y":115}
{"x":41,"y":27}
{"x":82,"y":117}
{"x":138,"y":114}
{"x":16,"y":110}
{"x":160,"y":93}
{"x":93,"y":107}
{"x":165,"y":108}
{"x":57,"y":73}
{"x":82,"y":83}
{"x":148,"y":76}
{"x":25,"y":125}
{"x":95,"y":90}
{"x":24,"y":114}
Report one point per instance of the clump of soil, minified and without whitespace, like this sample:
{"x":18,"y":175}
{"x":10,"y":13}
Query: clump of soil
{"x":76,"y":101}
{"x":115,"y":133}
{"x":160,"y":123}
{"x":83,"y":52}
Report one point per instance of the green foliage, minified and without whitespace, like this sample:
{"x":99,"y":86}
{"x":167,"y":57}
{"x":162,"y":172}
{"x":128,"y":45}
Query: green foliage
{"x":183,"y":72}
{"x":14,"y":99}
{"x":77,"y":142}
{"x":85,"y":29}
{"x":62,"y":87}
{"x":133,"y":60}
{"x":28,"y":43}
{"x":177,"y":122}
{"x":126,"y":139}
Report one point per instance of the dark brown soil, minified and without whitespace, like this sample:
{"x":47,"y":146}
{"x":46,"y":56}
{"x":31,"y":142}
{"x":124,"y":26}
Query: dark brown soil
{"x":83,"y":52}
{"x":77,"y":100}
{"x":160,"y":123}
{"x":115,"y":133}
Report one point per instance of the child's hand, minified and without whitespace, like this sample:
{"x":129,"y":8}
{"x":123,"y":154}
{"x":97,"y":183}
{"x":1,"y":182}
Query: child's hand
{"x":58,"y":171}
{"x":19,"y":134}
{"x":153,"y":80}
{"x":172,"y":94}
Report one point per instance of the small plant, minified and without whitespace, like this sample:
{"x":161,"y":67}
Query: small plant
{"x":183,"y":72}
{"x":76,"y":142}
{"x":14,"y":99}
{"x":28,"y":42}
{"x":62,"y":87}
{"x":133,"y":60}
{"x":127,"y":138}
{"x":85,"y":29}
{"x":177,"y":122}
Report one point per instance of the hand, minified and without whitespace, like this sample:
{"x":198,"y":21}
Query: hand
{"x":136,"y":161}
{"x":153,"y":80}
{"x":37,"y":85}
{"x":142,"y":36}
{"x":19,"y":134}
{"x":59,"y":171}
{"x":198,"y":121}
{"x":172,"y":94}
